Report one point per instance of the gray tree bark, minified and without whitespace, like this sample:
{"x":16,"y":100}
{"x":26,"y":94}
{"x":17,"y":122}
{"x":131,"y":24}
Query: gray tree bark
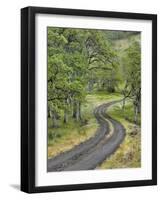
{"x":74,"y":110}
{"x":136,"y":114}
{"x":65,"y":116}
{"x":53,"y":117}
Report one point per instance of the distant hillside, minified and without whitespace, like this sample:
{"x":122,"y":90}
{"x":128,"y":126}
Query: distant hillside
{"x":121,"y":44}
{"x":117,"y":35}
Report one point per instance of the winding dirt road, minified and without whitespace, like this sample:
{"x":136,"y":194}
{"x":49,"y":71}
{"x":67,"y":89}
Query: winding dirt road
{"x":89,"y":154}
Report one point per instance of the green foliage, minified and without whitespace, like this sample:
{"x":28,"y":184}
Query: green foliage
{"x":82,"y":61}
{"x":77,"y":58}
{"x":130,"y":74}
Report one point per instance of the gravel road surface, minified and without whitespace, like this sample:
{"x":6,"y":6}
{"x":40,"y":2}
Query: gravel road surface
{"x":89,"y":154}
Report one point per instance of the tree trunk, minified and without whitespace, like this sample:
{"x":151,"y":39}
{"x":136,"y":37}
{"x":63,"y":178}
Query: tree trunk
{"x":66,"y":110}
{"x":65,"y":116}
{"x":48,"y":112}
{"x":136,"y":114}
{"x":53,"y":117}
{"x":139,"y":106}
{"x":90,"y":85}
{"x":74,"y":110}
{"x":98,"y":85}
{"x":80,"y":116}
{"x":78,"y":112}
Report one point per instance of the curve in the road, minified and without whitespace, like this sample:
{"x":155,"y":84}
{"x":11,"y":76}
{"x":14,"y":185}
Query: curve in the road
{"x":89,"y":154}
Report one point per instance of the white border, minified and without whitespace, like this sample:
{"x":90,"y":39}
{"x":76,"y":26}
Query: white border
{"x":94,"y":176}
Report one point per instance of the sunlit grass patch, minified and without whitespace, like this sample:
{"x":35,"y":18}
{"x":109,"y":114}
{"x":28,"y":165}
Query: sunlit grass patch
{"x":127,"y":115}
{"x":102,"y":97}
{"x":68,"y":136}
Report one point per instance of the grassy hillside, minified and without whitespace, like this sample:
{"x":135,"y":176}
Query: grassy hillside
{"x":124,"y":43}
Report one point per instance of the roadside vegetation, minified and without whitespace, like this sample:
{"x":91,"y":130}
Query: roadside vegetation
{"x":128,"y":155}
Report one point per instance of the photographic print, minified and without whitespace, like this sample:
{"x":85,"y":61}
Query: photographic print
{"x":88,"y":99}
{"x":94,"y":99}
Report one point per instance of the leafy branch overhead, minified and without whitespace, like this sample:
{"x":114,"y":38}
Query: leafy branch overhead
{"x":81,"y":61}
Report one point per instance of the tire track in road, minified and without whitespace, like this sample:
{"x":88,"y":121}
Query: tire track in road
{"x":89,"y":154}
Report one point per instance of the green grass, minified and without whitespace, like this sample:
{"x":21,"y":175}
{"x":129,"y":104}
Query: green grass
{"x":128,"y":154}
{"x":127,"y":115}
{"x":66,"y":136}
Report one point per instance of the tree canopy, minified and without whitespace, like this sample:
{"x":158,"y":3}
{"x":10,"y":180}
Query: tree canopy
{"x":80,"y":61}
